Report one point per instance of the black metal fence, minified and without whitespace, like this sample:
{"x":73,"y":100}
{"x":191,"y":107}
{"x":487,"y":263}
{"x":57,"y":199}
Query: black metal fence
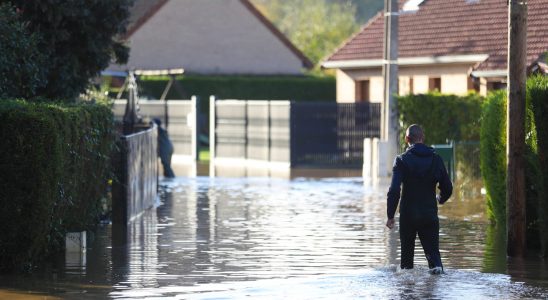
{"x":301,"y":134}
{"x":332,"y":134}
{"x":136,"y":167}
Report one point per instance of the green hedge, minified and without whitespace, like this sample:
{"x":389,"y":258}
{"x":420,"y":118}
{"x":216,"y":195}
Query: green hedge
{"x":297,"y":88}
{"x":493,"y":166}
{"x":447,"y":117}
{"x":537,"y":92}
{"x":443,"y":117}
{"x":493,"y":155}
{"x":55,"y":162}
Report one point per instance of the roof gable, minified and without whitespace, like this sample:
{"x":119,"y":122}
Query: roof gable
{"x":143,"y":10}
{"x":452,"y":27}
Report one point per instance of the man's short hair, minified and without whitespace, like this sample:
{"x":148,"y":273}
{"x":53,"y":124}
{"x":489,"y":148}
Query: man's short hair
{"x":415,"y":134}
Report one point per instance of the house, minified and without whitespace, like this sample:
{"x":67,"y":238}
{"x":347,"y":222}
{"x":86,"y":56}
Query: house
{"x":208,"y":37}
{"x":452,"y":46}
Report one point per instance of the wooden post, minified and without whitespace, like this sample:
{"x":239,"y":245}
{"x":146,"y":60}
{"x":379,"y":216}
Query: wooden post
{"x":515,"y":181}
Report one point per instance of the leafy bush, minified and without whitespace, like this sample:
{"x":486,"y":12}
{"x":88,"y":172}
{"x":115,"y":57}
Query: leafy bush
{"x":537,"y":93}
{"x":20,"y":72}
{"x":79,"y":38}
{"x":443,"y":117}
{"x":493,"y":155}
{"x":447,"y":118}
{"x":493,"y":165}
{"x":243,"y":87}
{"x":55,"y":162}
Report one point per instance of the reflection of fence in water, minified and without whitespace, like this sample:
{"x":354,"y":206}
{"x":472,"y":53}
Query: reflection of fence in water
{"x":467,"y":159}
{"x":303,"y":134}
{"x":468,"y":182}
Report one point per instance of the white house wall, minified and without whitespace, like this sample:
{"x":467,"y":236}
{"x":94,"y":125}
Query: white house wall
{"x":210,"y":37}
{"x":454,"y":80}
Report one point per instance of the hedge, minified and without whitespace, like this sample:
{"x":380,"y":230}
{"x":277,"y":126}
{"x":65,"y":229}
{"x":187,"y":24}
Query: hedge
{"x":443,"y":117}
{"x":55,"y":162}
{"x":493,"y":155}
{"x":297,"y":88}
{"x":493,"y":166}
{"x":537,"y":92}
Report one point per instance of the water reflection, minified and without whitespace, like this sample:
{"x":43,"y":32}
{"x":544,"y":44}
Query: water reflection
{"x":297,"y":239}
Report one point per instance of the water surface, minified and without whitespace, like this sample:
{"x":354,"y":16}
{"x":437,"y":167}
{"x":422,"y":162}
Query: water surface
{"x":284,"y":239}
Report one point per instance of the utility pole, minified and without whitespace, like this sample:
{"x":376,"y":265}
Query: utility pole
{"x":389,"y":145}
{"x":515,"y":181}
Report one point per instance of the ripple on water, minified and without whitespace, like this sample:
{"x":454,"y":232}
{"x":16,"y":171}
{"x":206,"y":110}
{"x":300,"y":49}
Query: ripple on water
{"x":287,"y":239}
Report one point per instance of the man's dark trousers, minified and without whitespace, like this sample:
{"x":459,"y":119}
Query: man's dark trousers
{"x":427,"y":228}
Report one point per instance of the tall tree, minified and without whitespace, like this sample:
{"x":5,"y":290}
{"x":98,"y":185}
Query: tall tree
{"x":316,"y":27}
{"x":20,"y":60}
{"x":79,"y":37}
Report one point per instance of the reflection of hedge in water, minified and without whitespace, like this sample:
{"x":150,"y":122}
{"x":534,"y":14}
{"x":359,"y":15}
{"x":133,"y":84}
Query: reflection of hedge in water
{"x":537,"y":92}
{"x":493,"y":167}
{"x":55,"y":161}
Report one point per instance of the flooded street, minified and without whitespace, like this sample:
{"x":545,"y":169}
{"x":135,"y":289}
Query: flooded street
{"x":283,"y":239}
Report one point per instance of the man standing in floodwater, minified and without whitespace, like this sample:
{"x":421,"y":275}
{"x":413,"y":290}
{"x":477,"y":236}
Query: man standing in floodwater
{"x":165,"y":149}
{"x":419,"y":169}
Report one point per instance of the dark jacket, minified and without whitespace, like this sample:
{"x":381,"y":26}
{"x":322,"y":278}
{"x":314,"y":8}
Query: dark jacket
{"x":419,"y":169}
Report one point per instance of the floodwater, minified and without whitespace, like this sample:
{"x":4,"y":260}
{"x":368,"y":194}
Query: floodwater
{"x":266,"y":238}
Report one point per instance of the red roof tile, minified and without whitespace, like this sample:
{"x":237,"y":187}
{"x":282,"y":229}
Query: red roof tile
{"x":452,"y":27}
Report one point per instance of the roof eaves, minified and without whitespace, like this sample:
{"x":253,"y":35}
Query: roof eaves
{"x":305,"y":60}
{"x":407,"y":61}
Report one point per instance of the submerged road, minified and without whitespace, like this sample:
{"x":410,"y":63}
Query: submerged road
{"x":270,"y":238}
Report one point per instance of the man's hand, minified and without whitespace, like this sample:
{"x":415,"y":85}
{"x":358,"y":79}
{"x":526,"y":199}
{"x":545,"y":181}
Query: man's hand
{"x":390,"y":223}
{"x":438,"y":198}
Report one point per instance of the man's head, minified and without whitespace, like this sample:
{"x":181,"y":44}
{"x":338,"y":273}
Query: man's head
{"x":414,"y":134}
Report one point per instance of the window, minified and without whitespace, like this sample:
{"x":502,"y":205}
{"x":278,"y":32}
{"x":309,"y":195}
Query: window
{"x":434,"y":83}
{"x":362,"y":91}
{"x":496,"y":85}
{"x":473,"y":84}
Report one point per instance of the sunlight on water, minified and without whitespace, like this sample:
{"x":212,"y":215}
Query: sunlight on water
{"x":287,"y":239}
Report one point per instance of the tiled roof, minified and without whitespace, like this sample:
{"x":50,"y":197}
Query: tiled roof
{"x":452,"y":27}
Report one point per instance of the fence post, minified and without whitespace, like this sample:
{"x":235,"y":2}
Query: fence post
{"x":194,"y":112}
{"x":212,"y":127}
{"x":246,"y":137}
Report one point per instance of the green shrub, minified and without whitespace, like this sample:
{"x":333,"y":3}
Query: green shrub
{"x":493,"y":165}
{"x":493,"y":155}
{"x":443,"y":117}
{"x":20,"y":72}
{"x":447,"y":118}
{"x":55,"y":162}
{"x":298,"y":88}
{"x":537,"y":93}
